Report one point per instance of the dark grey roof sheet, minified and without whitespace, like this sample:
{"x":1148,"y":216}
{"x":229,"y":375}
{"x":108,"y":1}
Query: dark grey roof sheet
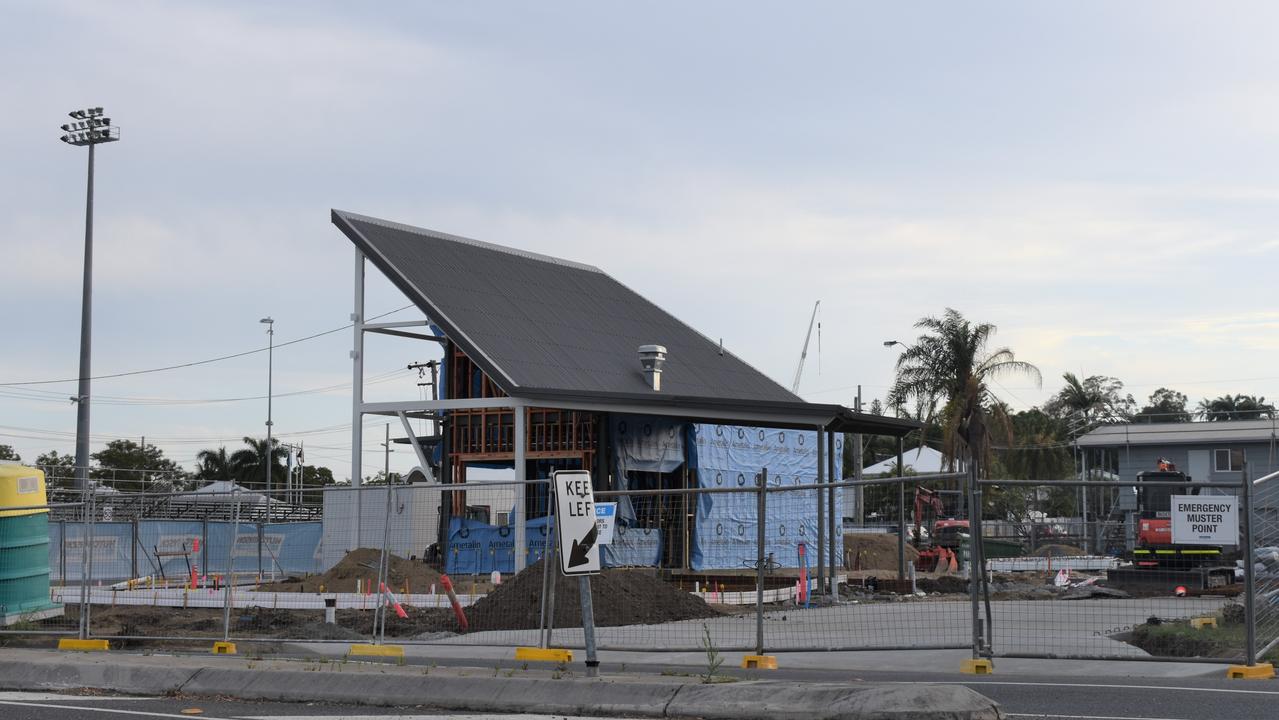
{"x":540,"y":325}
{"x":1198,"y":433}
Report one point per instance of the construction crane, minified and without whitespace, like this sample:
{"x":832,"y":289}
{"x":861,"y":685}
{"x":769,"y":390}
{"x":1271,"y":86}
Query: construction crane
{"x":803,"y":354}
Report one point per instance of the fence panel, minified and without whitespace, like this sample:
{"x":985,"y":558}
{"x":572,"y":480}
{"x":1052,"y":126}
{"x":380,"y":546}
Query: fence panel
{"x":1113,"y":587}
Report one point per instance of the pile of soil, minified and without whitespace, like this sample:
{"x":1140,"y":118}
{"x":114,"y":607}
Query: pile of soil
{"x":619,"y":597}
{"x":944,"y":584}
{"x":874,"y":551}
{"x":362,"y":565}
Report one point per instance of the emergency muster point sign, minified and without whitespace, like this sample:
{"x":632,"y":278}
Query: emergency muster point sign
{"x":1205,"y":520}
{"x":575,"y":524}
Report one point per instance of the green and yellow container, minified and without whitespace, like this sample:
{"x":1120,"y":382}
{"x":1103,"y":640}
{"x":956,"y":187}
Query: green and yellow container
{"x":24,"y":546}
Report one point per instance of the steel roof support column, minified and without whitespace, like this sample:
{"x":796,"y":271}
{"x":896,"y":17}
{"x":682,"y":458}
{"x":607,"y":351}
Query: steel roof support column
{"x":357,"y":373}
{"x":521,"y":477}
{"x":821,"y":513}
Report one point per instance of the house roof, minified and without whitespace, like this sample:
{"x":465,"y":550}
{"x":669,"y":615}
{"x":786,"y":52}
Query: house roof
{"x":921,"y":459}
{"x":557,"y":331}
{"x":1198,"y":433}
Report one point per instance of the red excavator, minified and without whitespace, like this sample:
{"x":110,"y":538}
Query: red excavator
{"x":1156,"y":559}
{"x":938,"y":554}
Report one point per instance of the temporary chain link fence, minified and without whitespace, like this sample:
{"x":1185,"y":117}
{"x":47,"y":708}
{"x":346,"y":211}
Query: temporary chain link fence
{"x":476,"y":564}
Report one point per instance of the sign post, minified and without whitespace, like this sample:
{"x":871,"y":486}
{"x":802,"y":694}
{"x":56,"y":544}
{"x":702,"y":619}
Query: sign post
{"x":1205,"y":519}
{"x":577,"y":531}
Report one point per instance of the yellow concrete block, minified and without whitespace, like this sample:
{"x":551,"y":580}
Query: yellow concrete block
{"x":544,"y":654}
{"x":1260,"y":671}
{"x":1200,"y":623}
{"x":760,"y":662}
{"x":223,"y":648}
{"x":83,"y":645}
{"x":980,"y":666}
{"x":393,"y":651}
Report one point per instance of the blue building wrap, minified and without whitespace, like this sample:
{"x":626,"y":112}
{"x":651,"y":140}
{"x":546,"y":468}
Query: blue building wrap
{"x":724,"y":534}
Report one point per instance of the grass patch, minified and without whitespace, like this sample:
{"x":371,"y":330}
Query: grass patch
{"x":1176,"y":638}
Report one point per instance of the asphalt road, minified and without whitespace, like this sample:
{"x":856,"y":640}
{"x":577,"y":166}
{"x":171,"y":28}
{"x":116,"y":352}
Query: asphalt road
{"x":1020,"y":698}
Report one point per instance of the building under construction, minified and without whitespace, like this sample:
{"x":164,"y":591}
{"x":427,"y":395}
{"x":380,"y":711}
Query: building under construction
{"x":547,"y":364}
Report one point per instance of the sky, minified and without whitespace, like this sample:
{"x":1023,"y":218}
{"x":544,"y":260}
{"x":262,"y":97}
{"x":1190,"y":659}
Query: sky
{"x":1098,"y":180}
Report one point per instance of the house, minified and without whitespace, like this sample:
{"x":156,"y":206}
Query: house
{"x":549,"y":364}
{"x":1206,"y":451}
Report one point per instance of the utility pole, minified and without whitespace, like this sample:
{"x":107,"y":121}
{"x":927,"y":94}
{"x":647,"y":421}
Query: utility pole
{"x":270,"y":451}
{"x":89,"y":128}
{"x":859,"y":494}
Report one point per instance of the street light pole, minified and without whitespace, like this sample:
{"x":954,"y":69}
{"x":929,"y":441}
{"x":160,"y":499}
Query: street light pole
{"x":270,"y":351}
{"x":89,"y":128}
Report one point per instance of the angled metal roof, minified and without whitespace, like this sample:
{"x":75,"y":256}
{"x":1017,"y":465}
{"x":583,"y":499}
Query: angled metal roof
{"x":1198,"y":433}
{"x":549,"y":329}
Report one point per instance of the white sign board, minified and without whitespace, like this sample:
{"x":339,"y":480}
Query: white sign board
{"x":605,"y":514}
{"x":1205,"y":520}
{"x":575,"y":523}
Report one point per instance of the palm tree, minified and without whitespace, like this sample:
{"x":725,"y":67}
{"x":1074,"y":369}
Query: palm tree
{"x":1235,"y":407}
{"x":214,"y":465}
{"x":949,"y":363}
{"x":248,"y":465}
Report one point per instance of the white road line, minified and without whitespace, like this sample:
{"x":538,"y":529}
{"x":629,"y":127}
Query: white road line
{"x":57,"y":697}
{"x":1057,"y":716}
{"x":1164,"y":688}
{"x":491,"y":716}
{"x":83,"y":708}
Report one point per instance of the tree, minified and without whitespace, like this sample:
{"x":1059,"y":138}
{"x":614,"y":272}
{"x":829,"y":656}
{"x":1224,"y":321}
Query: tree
{"x":7,"y":453}
{"x":1093,"y":400}
{"x":214,"y":466}
{"x":1040,"y":450}
{"x":1235,"y":407}
{"x":949,"y":364}
{"x":59,"y":470}
{"x":248,"y":465}
{"x":132,"y":467}
{"x":1164,"y":406}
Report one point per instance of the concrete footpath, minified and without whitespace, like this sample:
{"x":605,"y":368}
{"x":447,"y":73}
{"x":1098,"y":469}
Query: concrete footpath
{"x":493,"y":690}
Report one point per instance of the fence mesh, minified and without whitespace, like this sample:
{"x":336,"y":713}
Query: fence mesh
{"x":429,"y":563}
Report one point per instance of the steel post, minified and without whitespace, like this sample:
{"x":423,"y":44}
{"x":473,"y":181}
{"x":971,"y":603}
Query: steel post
{"x":761,"y":482}
{"x":974,"y":554}
{"x":821,"y":513}
{"x":521,"y":477}
{"x":901,"y":511}
{"x":835,"y":513}
{"x":1249,"y":570}
{"x":357,"y":384}
{"x":588,"y":625}
{"x":229,"y":578}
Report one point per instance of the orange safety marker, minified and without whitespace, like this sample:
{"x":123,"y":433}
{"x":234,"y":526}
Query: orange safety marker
{"x":399,"y":611}
{"x":457,"y":606}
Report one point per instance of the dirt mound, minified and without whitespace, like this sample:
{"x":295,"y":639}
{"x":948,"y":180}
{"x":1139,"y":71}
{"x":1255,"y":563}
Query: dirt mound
{"x":361,"y":565}
{"x":1058,"y":551}
{"x":619,"y":597}
{"x":945,"y":584}
{"x":873,"y":551}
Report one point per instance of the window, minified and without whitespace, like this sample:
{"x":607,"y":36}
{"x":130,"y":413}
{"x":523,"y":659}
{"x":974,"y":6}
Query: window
{"x":1227,"y":460}
{"x":503,"y":518}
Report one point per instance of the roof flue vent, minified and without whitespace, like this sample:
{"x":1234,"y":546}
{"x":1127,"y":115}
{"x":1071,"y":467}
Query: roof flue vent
{"x":652,"y":358}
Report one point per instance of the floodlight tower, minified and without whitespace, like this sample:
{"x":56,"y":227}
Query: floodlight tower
{"x":89,"y":128}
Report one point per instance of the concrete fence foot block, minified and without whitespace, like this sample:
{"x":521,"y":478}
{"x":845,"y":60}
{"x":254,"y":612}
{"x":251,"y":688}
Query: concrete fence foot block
{"x":223,"y":648}
{"x":83,"y":645}
{"x":1260,"y":671}
{"x":980,"y":666}
{"x":557,"y":655}
{"x":759,"y":662}
{"x":387,"y":651}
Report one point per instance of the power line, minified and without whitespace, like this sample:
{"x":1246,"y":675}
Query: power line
{"x":201,"y":362}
